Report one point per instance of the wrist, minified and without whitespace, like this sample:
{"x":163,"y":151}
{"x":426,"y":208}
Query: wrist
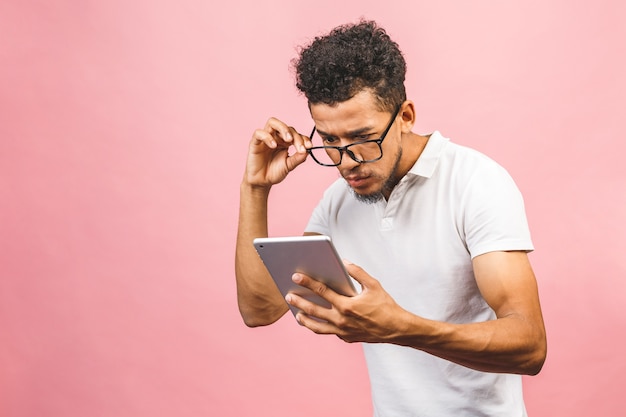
{"x":415,"y":331}
{"x":247,"y":186}
{"x":254,"y":191}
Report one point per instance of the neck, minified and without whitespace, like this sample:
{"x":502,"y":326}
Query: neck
{"x":412,"y":147}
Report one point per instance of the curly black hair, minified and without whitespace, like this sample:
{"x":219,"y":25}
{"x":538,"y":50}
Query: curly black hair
{"x":335,"y":67}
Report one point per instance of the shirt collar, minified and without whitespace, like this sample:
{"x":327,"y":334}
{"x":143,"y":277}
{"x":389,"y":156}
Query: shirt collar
{"x":427,"y":161}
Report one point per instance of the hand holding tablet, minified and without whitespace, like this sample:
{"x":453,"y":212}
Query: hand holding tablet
{"x":314,"y":256}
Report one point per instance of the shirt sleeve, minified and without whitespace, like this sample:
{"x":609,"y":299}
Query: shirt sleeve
{"x":494,"y":215}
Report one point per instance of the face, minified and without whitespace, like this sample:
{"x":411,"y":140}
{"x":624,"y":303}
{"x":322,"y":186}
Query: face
{"x":356,"y":120}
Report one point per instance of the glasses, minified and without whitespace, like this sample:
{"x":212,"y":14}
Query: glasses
{"x":363,"y":151}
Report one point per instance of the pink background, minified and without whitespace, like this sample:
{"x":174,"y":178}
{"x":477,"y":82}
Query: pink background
{"x":123,"y":134}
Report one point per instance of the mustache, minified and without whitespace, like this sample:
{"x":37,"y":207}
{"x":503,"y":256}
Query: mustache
{"x":355,"y":172}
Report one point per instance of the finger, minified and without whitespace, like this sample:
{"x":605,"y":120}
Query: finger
{"x":315,"y":325}
{"x":308,"y":308}
{"x":317,"y":287}
{"x":279,"y":130}
{"x":300,"y":142}
{"x":261,"y":136}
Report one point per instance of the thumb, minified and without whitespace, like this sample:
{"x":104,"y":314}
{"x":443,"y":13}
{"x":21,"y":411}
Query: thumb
{"x":296,"y":159}
{"x":359,"y":274}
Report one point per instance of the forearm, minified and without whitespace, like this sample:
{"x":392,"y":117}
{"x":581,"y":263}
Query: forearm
{"x":509,"y":344}
{"x":259,"y":300}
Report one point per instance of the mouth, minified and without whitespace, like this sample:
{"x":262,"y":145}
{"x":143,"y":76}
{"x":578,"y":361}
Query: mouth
{"x":356,"y":181}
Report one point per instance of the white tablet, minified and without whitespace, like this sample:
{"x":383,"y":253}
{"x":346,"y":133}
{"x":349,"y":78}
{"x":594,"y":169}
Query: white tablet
{"x":314,"y":256}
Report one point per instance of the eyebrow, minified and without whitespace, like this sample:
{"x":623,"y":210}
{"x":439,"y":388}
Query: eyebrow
{"x":350,"y":134}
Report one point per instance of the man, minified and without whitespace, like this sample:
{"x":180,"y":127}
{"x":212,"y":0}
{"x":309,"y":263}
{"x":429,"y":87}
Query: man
{"x":437,"y":234}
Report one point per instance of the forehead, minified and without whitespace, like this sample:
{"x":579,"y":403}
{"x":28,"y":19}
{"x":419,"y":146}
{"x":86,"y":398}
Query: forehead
{"x":359,"y":112}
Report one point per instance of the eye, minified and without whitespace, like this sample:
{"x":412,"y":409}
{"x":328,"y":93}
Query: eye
{"x":329,"y":140}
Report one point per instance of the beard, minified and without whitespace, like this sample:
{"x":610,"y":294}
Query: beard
{"x":388,"y":184}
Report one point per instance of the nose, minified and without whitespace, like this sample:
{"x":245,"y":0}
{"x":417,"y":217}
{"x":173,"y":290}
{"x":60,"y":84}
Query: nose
{"x":347,"y":162}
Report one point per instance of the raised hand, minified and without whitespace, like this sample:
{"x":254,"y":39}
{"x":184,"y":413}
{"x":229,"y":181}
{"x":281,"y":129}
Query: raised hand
{"x":269,"y":159}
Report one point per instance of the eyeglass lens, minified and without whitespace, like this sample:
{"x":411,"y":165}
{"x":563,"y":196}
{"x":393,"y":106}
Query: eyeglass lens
{"x":360,"y":152}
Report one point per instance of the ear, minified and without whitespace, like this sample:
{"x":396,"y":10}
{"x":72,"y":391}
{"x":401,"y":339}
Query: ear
{"x":407,"y":116}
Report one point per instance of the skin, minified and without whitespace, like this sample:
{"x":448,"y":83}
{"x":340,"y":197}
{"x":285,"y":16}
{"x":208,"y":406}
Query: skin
{"x":515,"y":342}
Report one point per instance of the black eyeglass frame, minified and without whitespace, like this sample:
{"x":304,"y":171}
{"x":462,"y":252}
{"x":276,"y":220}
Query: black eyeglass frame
{"x":346,"y":149}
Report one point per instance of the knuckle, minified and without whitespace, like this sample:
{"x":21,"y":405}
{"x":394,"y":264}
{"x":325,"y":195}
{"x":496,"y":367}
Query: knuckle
{"x":348,"y":310}
{"x":320,"y":289}
{"x":258,"y":134}
{"x":308,"y":309}
{"x":341,"y":322}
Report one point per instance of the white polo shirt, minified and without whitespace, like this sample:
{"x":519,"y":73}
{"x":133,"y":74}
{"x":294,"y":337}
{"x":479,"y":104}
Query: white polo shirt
{"x":454,"y":204}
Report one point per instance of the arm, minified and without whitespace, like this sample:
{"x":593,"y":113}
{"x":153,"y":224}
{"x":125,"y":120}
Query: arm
{"x":258,"y":299}
{"x":268,"y":163}
{"x":515,"y":342}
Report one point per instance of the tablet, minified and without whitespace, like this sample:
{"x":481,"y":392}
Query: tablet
{"x":314,"y":256}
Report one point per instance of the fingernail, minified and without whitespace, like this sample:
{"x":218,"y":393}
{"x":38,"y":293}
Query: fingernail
{"x":296,"y":278}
